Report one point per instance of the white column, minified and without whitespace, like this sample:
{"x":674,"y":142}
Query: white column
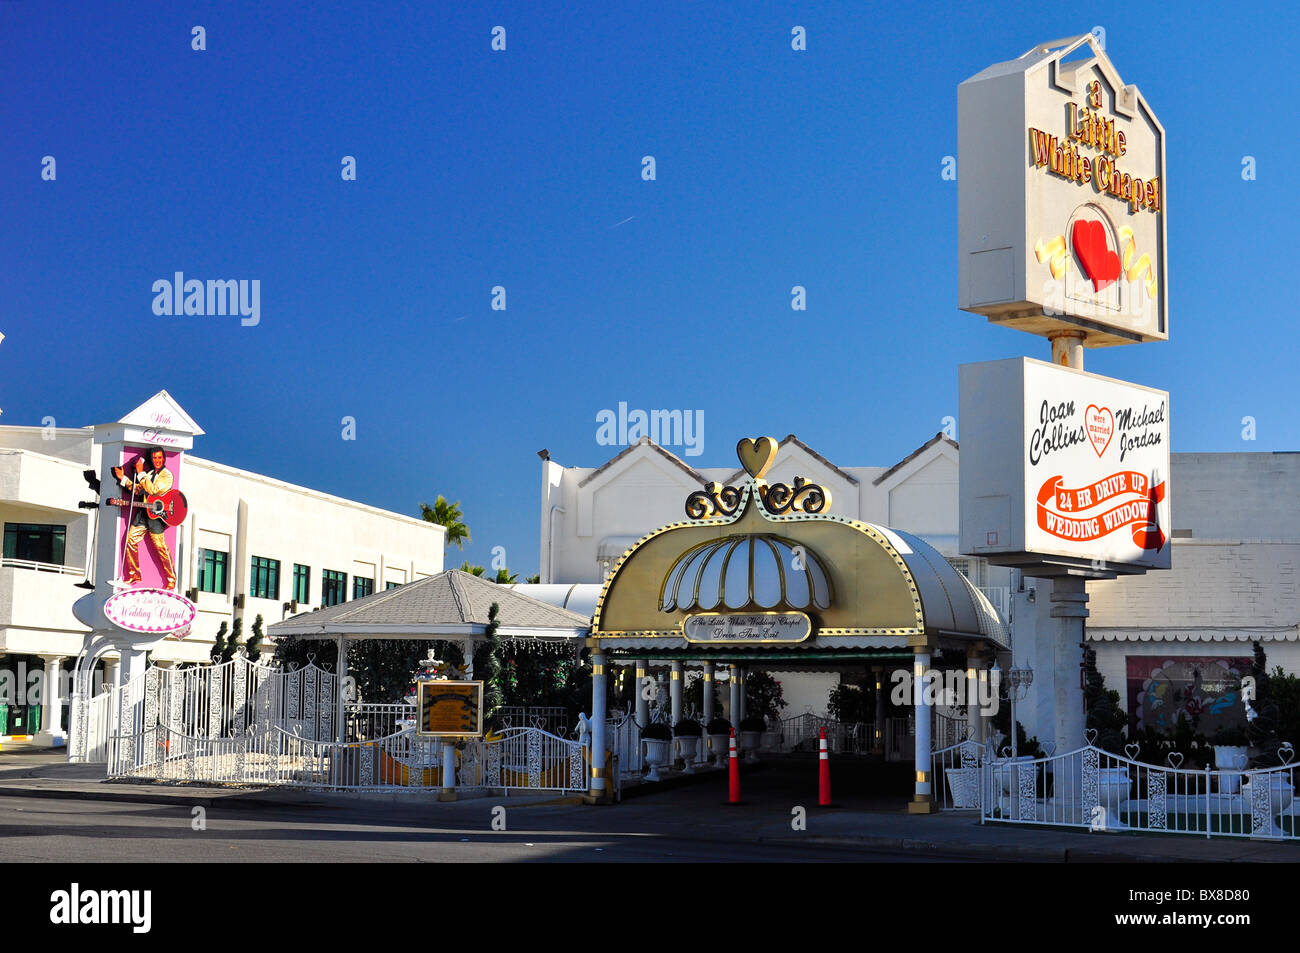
{"x":597,"y":724}
{"x":467,"y":649}
{"x":1069,"y":615}
{"x":921,"y":803}
{"x":642,"y":703}
{"x":51,"y":704}
{"x":733,"y":697}
{"x":675,"y":691}
{"x":448,"y":792}
{"x":973,"y":686}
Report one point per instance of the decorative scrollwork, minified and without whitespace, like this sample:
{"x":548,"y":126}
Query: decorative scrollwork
{"x":803,"y":497}
{"x":714,"y":500}
{"x":1157,"y":803}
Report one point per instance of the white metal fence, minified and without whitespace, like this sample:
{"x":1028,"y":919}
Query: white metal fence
{"x":213,"y":701}
{"x":516,"y":759}
{"x":1101,"y":791}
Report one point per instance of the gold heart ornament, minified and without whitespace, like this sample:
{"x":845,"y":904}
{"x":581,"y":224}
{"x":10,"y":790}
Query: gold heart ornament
{"x":756,"y":456}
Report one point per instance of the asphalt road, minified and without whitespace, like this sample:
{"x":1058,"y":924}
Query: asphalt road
{"x":79,"y":831}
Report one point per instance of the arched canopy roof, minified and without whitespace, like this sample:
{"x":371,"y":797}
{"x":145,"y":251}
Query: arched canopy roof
{"x":862,"y":585}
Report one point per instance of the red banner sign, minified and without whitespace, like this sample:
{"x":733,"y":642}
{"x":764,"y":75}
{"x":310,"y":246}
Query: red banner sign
{"x":1138,"y":515}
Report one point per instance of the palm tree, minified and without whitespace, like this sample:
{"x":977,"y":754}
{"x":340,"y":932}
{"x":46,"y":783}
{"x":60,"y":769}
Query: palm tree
{"x":505,"y":577}
{"x":472,"y":570}
{"x":448,"y":515}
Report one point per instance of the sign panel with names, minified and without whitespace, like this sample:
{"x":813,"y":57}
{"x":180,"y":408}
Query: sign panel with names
{"x":1063,"y":464}
{"x":746,"y":627}
{"x":450,"y":709}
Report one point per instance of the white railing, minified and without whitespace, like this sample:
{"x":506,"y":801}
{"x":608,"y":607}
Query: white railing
{"x":552,"y":718}
{"x":7,"y":563}
{"x":530,"y":758}
{"x":366,"y":721}
{"x":623,"y":735}
{"x":211,"y":701}
{"x":803,"y":733}
{"x":1101,"y":791}
{"x":516,"y":759}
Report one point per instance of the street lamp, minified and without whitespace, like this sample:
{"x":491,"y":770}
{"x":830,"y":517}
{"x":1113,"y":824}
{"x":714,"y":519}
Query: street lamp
{"x":1016,"y":689}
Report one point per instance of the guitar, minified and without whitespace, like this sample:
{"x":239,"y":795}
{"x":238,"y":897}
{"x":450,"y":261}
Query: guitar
{"x":170,"y":507}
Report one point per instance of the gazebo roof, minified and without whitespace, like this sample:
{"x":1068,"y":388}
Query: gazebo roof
{"x":451,"y":603}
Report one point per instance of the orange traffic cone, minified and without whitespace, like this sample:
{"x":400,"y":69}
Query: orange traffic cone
{"x":824,"y":773}
{"x":733,"y":771}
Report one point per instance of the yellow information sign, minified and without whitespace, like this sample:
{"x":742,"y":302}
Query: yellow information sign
{"x":450,"y":709}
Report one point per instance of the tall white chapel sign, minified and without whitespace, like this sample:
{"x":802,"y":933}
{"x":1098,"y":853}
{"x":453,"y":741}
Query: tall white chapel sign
{"x":1062,"y":198}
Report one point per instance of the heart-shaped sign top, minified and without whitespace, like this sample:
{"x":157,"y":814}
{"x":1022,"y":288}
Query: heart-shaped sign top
{"x":1099,"y":424}
{"x":1132,"y":749}
{"x":756,"y":456}
{"x":1100,"y":264}
{"x":1091,"y":735}
{"x":1285,"y":753}
{"x":1175,"y":759}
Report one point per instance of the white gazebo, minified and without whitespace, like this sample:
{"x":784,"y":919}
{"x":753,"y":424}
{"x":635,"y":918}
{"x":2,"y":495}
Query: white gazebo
{"x":451,"y":606}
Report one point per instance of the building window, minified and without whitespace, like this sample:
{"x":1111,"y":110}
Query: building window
{"x":362,"y":587}
{"x":35,"y":542}
{"x":265,"y":583}
{"x":391,"y":585}
{"x":212,"y":571}
{"x":333,"y":587}
{"x":301,"y":584}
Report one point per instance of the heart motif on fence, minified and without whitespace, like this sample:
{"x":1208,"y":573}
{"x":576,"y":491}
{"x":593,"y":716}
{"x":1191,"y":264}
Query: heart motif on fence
{"x":1285,"y":752}
{"x":1049,"y":748}
{"x":1091,"y":735}
{"x":1132,"y":749}
{"x":1006,"y":751}
{"x":1175,"y":764}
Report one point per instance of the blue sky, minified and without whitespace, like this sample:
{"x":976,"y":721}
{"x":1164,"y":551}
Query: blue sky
{"x":522,"y":169}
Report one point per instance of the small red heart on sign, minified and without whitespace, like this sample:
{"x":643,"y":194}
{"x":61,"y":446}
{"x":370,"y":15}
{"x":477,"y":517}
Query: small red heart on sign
{"x":1099,"y":423}
{"x":1099,"y":263}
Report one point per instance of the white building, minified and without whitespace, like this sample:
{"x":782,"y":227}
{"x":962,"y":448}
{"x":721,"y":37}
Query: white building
{"x":591,"y":516}
{"x":251,"y":545}
{"x":1236,"y":539}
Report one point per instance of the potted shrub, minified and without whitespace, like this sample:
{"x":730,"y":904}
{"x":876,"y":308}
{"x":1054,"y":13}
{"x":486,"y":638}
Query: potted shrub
{"x":1230,"y":754}
{"x":688,"y":732}
{"x":657,"y":740}
{"x":719,"y":730}
{"x":751,"y":733}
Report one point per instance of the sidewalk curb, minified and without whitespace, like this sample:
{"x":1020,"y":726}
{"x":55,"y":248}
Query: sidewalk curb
{"x":246,"y":797}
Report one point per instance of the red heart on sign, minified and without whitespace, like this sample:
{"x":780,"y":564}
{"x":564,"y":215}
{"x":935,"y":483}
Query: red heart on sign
{"x":1099,"y":425}
{"x":1099,"y":262}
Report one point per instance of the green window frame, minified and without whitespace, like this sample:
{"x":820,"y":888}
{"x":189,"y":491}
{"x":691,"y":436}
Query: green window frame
{"x":264,"y":579}
{"x":391,"y":585}
{"x":301,"y":583}
{"x":212,"y":570}
{"x":36,"y":542}
{"x":362,"y":587}
{"x":333,"y":587}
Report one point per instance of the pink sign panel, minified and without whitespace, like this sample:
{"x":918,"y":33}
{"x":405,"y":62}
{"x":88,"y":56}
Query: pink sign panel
{"x":148,"y":493}
{"x":152,"y":611}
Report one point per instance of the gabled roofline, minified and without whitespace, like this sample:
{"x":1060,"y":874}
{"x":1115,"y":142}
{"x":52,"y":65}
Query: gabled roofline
{"x":940,"y":437}
{"x":791,"y":438}
{"x":646,"y":441}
